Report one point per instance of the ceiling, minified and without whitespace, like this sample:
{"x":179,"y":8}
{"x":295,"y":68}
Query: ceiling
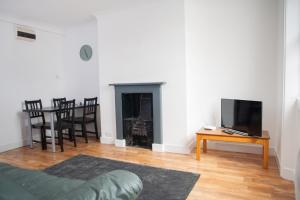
{"x":59,"y":13}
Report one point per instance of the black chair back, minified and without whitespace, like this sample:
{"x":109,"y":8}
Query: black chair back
{"x":90,"y":106}
{"x":66,"y":111}
{"x":35,"y":105}
{"x":56,"y":101}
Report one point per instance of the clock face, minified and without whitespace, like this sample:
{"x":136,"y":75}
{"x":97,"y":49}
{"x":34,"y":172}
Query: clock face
{"x":86,"y":52}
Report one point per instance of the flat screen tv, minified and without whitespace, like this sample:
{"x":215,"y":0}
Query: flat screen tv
{"x":242,"y":115}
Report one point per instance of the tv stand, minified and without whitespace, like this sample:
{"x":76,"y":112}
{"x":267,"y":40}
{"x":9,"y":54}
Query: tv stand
{"x":219,"y":135}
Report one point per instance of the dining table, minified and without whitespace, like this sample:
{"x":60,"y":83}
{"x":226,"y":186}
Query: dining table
{"x":51,"y":110}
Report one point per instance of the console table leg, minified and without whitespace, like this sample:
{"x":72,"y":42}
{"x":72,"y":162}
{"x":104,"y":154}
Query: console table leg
{"x":266,"y":154}
{"x":204,"y":146}
{"x":198,"y":148}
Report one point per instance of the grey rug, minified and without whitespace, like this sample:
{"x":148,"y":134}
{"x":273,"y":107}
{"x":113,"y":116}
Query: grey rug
{"x":159,"y":184}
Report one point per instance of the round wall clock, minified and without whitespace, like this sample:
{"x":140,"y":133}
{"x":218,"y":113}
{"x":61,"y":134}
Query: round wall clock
{"x":86,"y":52}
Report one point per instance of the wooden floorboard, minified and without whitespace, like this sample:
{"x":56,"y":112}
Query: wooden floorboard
{"x":224,"y":175}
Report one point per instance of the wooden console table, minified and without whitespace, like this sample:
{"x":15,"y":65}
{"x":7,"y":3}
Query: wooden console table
{"x":219,"y":135}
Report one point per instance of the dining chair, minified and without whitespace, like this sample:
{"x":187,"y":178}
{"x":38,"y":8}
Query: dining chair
{"x":39,"y":119}
{"x":89,"y":116}
{"x":65,"y":120}
{"x":56,"y":101}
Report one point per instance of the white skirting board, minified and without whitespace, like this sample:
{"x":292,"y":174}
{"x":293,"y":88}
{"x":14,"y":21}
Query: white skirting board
{"x":120,"y":143}
{"x":7,"y":147}
{"x":158,"y":147}
{"x":107,"y":140}
{"x":177,"y":149}
{"x":180,"y":149}
{"x":155,"y":147}
{"x":287,"y":173}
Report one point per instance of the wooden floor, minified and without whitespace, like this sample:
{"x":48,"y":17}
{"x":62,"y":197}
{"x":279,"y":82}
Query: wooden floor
{"x":224,"y":175}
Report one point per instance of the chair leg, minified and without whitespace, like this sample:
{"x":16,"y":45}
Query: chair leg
{"x":96,"y":129}
{"x":43,"y":139}
{"x":73,"y":136}
{"x":70,"y":134}
{"x":60,"y":138}
{"x":84,"y":132}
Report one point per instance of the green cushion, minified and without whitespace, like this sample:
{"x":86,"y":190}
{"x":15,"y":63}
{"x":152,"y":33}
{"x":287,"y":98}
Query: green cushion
{"x":116,"y":185}
{"x":8,"y":187}
{"x":37,"y":185}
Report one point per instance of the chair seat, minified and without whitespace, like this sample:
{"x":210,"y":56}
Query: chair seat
{"x":66,"y":124}
{"x":79,"y":120}
{"x":40,"y":125}
{"x":47,"y":125}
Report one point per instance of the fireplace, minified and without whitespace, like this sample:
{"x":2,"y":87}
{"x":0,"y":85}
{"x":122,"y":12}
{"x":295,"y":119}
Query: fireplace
{"x":138,"y":115}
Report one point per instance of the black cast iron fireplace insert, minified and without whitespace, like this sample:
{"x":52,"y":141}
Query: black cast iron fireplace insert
{"x":137,"y":109}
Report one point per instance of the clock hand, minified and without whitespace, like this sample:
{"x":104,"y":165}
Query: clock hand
{"x":85,"y":53}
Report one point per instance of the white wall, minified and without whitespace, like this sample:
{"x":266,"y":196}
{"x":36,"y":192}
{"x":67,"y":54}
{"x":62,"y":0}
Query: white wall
{"x":232,"y":52}
{"x":223,"y":49}
{"x":290,"y":137}
{"x":280,"y":75}
{"x":29,"y":70}
{"x":81,"y":78}
{"x":145,"y":43}
{"x":46,"y":68}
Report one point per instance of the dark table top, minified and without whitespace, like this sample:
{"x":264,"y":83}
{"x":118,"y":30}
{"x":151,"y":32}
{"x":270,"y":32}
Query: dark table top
{"x":51,"y":109}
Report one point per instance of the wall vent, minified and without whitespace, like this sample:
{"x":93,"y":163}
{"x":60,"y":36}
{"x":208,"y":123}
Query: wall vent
{"x":25,"y":33}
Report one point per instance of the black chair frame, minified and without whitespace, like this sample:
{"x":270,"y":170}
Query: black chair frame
{"x":89,"y":116}
{"x":65,"y":120}
{"x":35,"y":105}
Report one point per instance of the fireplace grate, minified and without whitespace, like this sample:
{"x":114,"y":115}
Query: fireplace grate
{"x":138,"y":125}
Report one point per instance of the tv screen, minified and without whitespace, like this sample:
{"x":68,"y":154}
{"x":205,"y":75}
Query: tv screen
{"x":242,"y":115}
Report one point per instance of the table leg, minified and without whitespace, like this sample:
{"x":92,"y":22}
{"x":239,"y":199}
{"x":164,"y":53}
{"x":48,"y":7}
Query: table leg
{"x":198,"y":148}
{"x":52,"y":131}
{"x":204,"y":145}
{"x":30,"y":131}
{"x":266,"y":154}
